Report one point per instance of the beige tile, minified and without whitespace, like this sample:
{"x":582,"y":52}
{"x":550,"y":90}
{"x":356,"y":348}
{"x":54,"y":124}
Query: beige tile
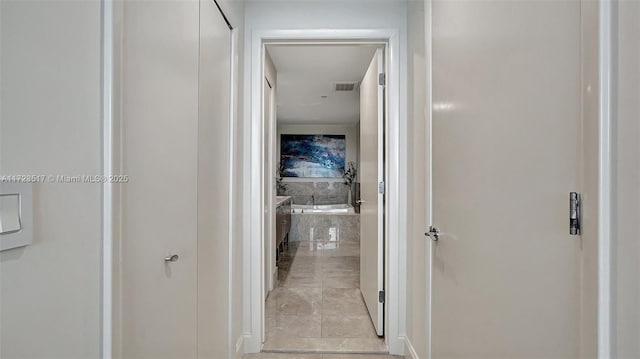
{"x":342,"y":301}
{"x":269,"y":323}
{"x":340,"y":326}
{"x":306,"y":249}
{"x":306,"y":259}
{"x":284,"y":262}
{"x":295,"y":301}
{"x":348,"y":260}
{"x":349,"y":264}
{"x":286,"y":343}
{"x":306,"y":264}
{"x":361,"y":356}
{"x":341,"y":248}
{"x":332,"y":345}
{"x":299,"y":326}
{"x":341,"y":280}
{"x":282,"y":356}
{"x":317,"y":306}
{"x":354,"y":345}
{"x":300,"y":280}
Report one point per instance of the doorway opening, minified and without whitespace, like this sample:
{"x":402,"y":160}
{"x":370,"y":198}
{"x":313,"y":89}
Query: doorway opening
{"x":295,"y":273}
{"x":325,"y":131}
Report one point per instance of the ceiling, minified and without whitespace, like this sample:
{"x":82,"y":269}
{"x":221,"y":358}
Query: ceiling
{"x":306,"y":73}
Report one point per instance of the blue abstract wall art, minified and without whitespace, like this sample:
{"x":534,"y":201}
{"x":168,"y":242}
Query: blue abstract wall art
{"x":313,"y":155}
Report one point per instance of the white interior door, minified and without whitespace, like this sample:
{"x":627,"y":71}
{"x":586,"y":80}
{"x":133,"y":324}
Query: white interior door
{"x":175,"y":149}
{"x":506,"y":114}
{"x":372,"y":200}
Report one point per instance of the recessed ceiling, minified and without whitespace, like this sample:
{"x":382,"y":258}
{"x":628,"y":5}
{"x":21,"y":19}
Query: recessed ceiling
{"x":319,"y":84}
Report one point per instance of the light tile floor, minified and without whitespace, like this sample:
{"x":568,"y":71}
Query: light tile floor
{"x":319,"y":356}
{"x":317,"y":305}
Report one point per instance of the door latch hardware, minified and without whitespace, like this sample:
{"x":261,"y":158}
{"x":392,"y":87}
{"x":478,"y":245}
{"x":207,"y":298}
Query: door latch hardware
{"x":381,"y":187}
{"x":574,"y":213}
{"x":381,"y":296}
{"x":433,"y":233}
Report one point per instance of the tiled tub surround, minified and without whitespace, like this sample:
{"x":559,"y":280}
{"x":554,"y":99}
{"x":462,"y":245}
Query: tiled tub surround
{"x":322,"y":208}
{"x":317,"y":305}
{"x":325,"y":227}
{"x":316,"y":192}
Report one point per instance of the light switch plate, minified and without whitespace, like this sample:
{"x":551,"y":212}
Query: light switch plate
{"x":16,"y":215}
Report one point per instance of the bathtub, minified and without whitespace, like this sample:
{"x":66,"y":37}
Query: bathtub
{"x":322,"y":208}
{"x":324,"y":222}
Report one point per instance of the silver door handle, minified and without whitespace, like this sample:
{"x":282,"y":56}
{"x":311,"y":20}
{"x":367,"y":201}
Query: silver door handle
{"x":433,"y":233}
{"x":171,"y":258}
{"x":361,"y":201}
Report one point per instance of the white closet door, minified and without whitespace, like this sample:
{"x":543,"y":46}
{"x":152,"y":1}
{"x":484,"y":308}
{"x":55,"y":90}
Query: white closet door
{"x":372,"y":206}
{"x":175,"y":149}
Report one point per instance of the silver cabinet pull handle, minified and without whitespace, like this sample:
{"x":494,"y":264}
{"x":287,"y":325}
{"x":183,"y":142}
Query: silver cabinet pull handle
{"x":361,"y":201}
{"x":171,"y":258}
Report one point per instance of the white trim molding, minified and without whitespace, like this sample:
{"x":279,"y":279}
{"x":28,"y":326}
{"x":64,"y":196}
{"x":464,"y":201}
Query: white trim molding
{"x":606,"y":120}
{"x":409,"y":350}
{"x":395,"y":177}
{"x":233,"y":70}
{"x":107,"y":169}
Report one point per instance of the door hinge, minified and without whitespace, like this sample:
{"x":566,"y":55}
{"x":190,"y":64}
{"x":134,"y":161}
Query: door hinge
{"x":574,"y":213}
{"x":381,"y":296}
{"x":381,"y":187}
{"x":382,"y":79}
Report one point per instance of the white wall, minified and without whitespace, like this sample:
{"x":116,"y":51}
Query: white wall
{"x":627,"y":194}
{"x":50,"y":120}
{"x":418,"y":246}
{"x":352,"y":139}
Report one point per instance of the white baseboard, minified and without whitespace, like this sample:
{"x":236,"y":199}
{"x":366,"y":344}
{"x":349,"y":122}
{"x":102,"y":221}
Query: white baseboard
{"x":396,"y":345}
{"x":252,"y":344}
{"x":239,"y":348}
{"x":409,"y":350}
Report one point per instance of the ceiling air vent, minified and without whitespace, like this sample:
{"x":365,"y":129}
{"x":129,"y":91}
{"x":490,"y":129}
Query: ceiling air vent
{"x":345,"y":86}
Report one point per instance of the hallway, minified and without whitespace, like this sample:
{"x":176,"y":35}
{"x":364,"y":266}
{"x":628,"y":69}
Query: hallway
{"x":317,"y":305}
{"x":138,"y":173}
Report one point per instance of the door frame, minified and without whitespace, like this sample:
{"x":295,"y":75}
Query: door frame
{"x":396,"y":134}
{"x":607,"y":70}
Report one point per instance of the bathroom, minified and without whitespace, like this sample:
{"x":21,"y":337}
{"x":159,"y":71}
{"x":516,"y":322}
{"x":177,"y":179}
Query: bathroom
{"x":316,"y":304}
